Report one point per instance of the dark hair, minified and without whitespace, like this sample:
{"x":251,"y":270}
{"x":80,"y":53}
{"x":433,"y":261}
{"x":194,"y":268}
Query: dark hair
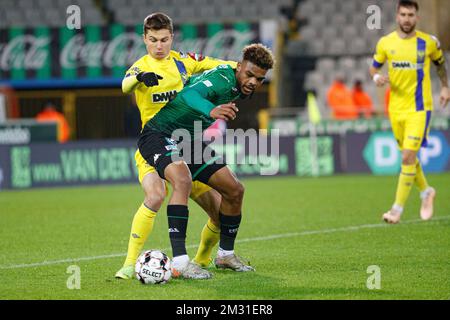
{"x":408,"y":4}
{"x":358,"y":83}
{"x":158,"y":21}
{"x":259,"y":55}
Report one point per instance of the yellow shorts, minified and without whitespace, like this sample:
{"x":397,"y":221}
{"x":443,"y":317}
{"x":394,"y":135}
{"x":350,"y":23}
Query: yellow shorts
{"x":411,"y":129}
{"x":198,"y":188}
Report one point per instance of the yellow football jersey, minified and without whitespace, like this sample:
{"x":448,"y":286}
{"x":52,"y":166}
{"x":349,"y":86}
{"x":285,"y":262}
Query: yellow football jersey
{"x":409,"y":69}
{"x":175,"y":69}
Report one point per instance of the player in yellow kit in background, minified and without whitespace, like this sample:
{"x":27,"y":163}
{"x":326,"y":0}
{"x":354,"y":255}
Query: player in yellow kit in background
{"x":409,"y":53}
{"x":155,"y":79}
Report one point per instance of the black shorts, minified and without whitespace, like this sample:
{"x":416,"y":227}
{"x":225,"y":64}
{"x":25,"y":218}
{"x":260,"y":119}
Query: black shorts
{"x":160,"y":150}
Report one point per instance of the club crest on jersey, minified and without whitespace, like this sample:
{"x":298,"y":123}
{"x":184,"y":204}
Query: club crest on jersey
{"x":196,"y":56}
{"x":421,"y":54}
{"x":164,"y":96}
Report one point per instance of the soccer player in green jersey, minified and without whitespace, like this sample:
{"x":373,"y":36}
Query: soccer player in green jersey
{"x":154,"y":79}
{"x":204,"y":99}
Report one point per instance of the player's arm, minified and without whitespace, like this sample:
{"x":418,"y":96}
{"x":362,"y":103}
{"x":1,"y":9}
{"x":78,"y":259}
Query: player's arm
{"x":135,"y":76}
{"x":198,"y":95}
{"x":444,"y":97}
{"x":378,"y":60}
{"x":439,"y":60}
{"x":129,"y":84}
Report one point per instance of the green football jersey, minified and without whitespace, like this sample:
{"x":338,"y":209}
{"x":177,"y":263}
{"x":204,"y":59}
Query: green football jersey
{"x":194,"y":103}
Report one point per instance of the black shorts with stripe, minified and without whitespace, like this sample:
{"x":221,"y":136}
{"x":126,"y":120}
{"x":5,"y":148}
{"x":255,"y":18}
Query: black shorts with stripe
{"x":160,"y":150}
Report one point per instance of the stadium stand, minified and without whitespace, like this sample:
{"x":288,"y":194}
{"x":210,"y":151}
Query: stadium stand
{"x":27,"y":13}
{"x":335,"y":33}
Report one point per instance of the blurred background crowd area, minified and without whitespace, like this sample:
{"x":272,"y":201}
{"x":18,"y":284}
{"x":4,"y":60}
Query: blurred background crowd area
{"x":320,"y":46}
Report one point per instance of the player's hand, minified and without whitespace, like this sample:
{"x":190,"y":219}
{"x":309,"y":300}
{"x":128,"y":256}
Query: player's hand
{"x":380,"y":80}
{"x":444,"y":97}
{"x":224,"y":111}
{"x":150,"y":79}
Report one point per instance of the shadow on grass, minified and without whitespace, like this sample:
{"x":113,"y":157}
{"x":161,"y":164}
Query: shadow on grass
{"x":256,"y":286}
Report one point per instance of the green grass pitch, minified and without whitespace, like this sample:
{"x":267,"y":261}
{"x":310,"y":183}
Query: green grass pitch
{"x":308,"y":239}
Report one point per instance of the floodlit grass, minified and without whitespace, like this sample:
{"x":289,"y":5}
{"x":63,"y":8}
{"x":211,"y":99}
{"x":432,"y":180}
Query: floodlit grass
{"x":295,"y":231}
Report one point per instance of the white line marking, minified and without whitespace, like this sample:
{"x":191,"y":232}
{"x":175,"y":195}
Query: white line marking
{"x":271,"y":237}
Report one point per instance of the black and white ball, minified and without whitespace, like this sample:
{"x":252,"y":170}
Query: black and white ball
{"x":153,"y":267}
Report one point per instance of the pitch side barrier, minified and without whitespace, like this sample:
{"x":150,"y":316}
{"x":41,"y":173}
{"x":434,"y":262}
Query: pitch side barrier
{"x":37,"y":165}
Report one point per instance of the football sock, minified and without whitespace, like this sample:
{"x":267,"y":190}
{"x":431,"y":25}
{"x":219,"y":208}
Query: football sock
{"x":425,"y":193}
{"x":208,"y":239}
{"x":229,"y":226}
{"x":398,"y":209}
{"x":140,"y":230}
{"x":421,"y":181}
{"x":222,"y":253}
{"x":405,"y":182}
{"x":178,"y":216}
{"x":179,"y":262}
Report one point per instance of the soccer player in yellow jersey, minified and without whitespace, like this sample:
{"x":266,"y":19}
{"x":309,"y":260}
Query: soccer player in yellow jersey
{"x":409,"y":53}
{"x":155,"y":79}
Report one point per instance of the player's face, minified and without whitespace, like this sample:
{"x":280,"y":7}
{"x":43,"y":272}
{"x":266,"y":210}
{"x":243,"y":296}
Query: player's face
{"x":158,"y":43}
{"x":249,"y":77}
{"x":407,"y":19}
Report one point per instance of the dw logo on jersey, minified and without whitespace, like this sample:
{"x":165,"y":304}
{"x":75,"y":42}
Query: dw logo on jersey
{"x":406,"y":65}
{"x":164,"y":96}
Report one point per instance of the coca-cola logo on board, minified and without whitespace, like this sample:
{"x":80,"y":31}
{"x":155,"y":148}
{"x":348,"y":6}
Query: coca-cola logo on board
{"x":31,"y":52}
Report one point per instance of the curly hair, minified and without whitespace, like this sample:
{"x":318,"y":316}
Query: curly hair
{"x":259,"y":55}
{"x":158,"y":21}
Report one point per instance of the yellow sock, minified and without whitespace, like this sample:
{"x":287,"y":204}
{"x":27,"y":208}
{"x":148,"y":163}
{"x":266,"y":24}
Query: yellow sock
{"x":405,"y":182}
{"x":210,"y":236}
{"x":140,"y":230}
{"x":421,"y":181}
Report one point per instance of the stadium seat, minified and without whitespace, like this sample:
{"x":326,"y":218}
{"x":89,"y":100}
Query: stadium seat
{"x":329,"y":33}
{"x":308,"y":33}
{"x":338,"y":20}
{"x":350,"y":31}
{"x":346,"y":63}
{"x":113,"y":4}
{"x":325,"y":64}
{"x":328,"y":8}
{"x":337,"y":47}
{"x":313,"y":80}
{"x":270,"y":10}
{"x":207,"y":12}
{"x":93,"y":17}
{"x":347,"y":7}
{"x":296,"y":48}
{"x":317,"y":47}
{"x":358,"y":46}
{"x":306,"y":9}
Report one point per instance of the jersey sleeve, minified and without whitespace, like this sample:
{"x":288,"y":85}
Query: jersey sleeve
{"x":134,"y":69}
{"x":129,"y":81}
{"x":379,"y":57}
{"x":196,"y":63}
{"x":436,"y":54}
{"x":199,"y":95}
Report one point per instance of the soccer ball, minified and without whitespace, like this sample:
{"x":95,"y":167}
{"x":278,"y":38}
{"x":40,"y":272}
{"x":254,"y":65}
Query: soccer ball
{"x":153,"y":267}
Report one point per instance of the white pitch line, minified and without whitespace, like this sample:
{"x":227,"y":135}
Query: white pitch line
{"x":271,"y":237}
